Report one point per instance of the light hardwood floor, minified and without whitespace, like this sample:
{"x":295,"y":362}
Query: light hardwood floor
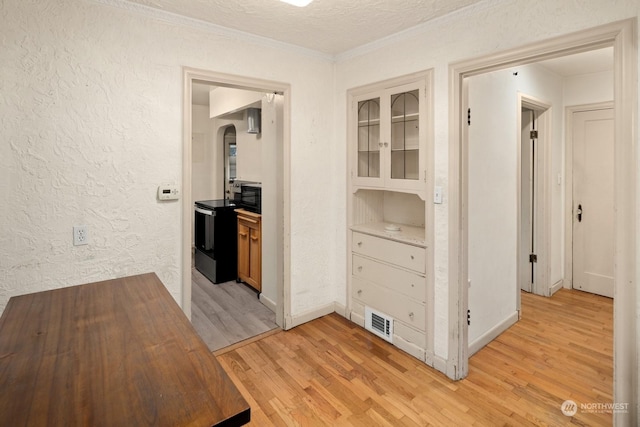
{"x":227,"y":313}
{"x":332,"y":372}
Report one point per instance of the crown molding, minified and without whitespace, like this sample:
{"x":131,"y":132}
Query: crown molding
{"x":184,"y":21}
{"x":419,"y":29}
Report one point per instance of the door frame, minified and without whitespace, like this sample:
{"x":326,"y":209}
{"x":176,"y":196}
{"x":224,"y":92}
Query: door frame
{"x":542,"y":190}
{"x":568,"y":190}
{"x":622,"y":36}
{"x":283,"y":287}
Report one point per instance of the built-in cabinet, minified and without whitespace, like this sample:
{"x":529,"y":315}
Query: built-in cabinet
{"x":250,"y":248}
{"x":390,"y":277}
{"x":390,"y":138}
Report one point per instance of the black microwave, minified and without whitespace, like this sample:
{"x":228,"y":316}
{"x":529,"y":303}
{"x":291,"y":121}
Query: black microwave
{"x":251,"y":197}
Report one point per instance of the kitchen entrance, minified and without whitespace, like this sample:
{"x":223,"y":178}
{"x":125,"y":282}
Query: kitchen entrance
{"x":235,"y":138}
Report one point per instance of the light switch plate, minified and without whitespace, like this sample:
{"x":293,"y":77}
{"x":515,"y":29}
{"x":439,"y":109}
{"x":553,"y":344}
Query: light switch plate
{"x":437,"y":195}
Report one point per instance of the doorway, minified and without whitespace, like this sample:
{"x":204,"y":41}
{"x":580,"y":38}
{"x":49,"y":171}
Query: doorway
{"x":590,"y":198}
{"x":229,"y":150}
{"x":276,"y":197}
{"x":534,"y":198}
{"x":620,"y":35}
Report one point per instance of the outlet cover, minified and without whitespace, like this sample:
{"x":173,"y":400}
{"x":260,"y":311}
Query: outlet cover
{"x":80,"y":235}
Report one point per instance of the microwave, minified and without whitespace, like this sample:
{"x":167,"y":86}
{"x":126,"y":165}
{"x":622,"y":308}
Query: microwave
{"x":251,"y":197}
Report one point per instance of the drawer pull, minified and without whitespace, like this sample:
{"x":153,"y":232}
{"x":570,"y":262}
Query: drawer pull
{"x":243,"y":234}
{"x":411,"y":315}
{"x":359,"y":292}
{"x":411,"y":256}
{"x":359,"y":243}
{"x":359,"y":268}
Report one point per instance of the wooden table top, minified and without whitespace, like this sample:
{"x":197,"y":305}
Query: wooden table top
{"x":112,"y":353}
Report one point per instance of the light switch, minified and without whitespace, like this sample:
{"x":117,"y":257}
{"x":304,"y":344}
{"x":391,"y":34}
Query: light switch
{"x":437,"y":195}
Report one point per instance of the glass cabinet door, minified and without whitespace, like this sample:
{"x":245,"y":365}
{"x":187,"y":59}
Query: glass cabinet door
{"x":405,"y":150}
{"x":369,"y":138}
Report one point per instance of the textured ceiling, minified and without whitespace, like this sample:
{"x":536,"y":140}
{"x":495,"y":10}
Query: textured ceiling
{"x":328,"y":26}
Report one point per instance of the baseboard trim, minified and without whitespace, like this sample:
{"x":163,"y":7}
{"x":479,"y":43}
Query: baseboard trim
{"x":492,"y":333}
{"x":556,"y":287}
{"x":307,"y":316}
{"x":440,"y":364}
{"x":271,"y":305}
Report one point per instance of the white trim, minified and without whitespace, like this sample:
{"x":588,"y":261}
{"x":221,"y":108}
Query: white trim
{"x":493,"y":333}
{"x":622,"y":36}
{"x":341,"y":309}
{"x":198,"y":24}
{"x":439,"y":364}
{"x":556,"y":287}
{"x":454,"y":16}
{"x":308,"y":316}
{"x":283,"y":302}
{"x":267,"y":302}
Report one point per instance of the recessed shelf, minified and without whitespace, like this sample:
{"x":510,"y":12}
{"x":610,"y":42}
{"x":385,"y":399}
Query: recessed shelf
{"x":407,"y":234}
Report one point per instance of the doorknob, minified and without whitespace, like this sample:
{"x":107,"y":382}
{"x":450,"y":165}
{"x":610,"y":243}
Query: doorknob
{"x":579,"y":213}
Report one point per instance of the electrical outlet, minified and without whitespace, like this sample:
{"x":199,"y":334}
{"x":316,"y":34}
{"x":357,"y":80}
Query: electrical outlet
{"x":80,"y":235}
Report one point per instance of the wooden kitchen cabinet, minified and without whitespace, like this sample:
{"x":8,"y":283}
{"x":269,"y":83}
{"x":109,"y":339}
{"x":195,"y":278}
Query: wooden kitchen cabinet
{"x":250,"y":248}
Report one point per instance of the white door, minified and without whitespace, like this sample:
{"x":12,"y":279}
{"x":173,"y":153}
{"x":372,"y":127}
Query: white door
{"x":593,"y":143}
{"x":527,"y":199}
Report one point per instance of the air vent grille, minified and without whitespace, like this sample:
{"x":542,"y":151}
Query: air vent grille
{"x":378,"y":323}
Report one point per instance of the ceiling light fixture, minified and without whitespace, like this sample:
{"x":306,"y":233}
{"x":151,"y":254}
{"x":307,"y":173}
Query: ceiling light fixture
{"x":299,"y":3}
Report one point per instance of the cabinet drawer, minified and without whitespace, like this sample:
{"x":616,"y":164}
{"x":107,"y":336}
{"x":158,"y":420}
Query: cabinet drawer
{"x":394,"y":304}
{"x":405,"y":282}
{"x":403,"y":255}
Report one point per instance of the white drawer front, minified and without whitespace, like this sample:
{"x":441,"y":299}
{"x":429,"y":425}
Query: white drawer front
{"x":407,"y":256}
{"x":410,"y":335}
{"x":407,"y":283}
{"x":392,"y":303}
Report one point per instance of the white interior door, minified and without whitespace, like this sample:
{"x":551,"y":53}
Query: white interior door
{"x":593,"y":232}
{"x":527,"y":199}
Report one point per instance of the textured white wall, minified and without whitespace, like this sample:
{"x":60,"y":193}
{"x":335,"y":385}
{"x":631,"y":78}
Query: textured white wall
{"x":485,"y":28}
{"x":90,"y":118}
{"x":204,"y":155}
{"x":493,"y":188}
{"x":588,"y":88}
{"x":91,"y":123}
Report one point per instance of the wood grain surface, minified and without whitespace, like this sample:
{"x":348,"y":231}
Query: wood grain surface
{"x":112,"y":353}
{"x":331,"y":372}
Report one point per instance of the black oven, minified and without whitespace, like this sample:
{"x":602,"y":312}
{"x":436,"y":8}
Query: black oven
{"x":215,"y":238}
{"x":251,"y":197}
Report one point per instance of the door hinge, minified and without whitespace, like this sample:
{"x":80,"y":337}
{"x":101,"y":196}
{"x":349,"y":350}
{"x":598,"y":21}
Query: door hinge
{"x":468,"y":317}
{"x":534,"y":134}
{"x":468,"y":116}
{"x":533,"y":258}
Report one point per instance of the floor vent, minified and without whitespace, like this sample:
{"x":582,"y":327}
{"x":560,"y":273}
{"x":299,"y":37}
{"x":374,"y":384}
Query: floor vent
{"x":378,"y":323}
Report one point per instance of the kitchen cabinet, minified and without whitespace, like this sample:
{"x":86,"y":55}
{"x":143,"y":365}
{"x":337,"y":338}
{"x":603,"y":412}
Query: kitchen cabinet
{"x":390,"y":217}
{"x":250,"y":248}
{"x":388,"y":133}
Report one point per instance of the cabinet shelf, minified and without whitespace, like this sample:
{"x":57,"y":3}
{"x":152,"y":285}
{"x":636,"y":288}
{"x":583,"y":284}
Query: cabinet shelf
{"x":370,"y":122}
{"x":412,"y":117}
{"x":410,"y":149}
